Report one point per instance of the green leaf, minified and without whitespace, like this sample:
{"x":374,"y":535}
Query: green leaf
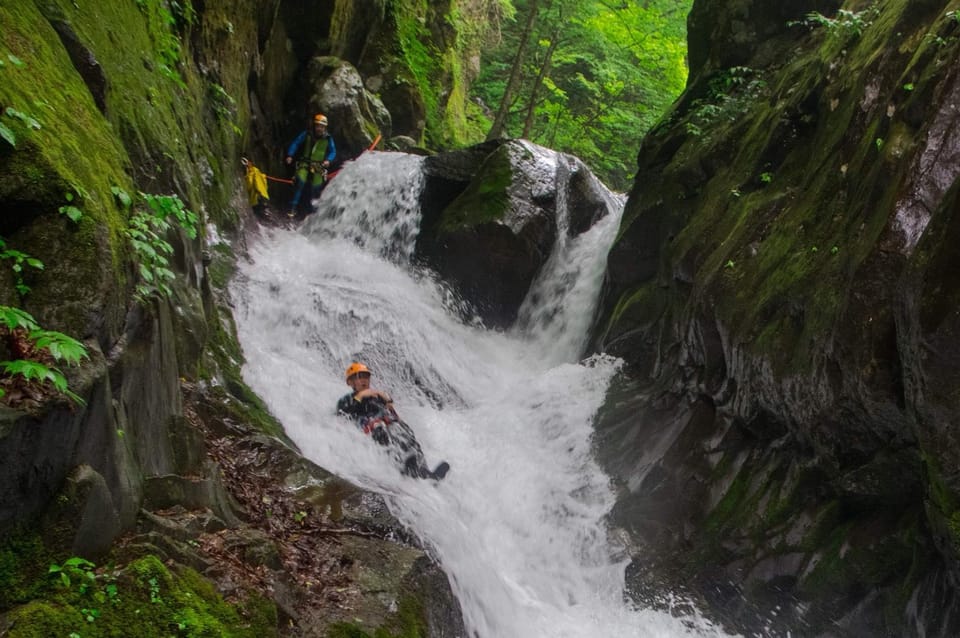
{"x":15,"y":60}
{"x":74,"y":213}
{"x":145,"y":249}
{"x":35,"y":263}
{"x":60,"y":346}
{"x":146,"y":273}
{"x":121,"y":196}
{"x":29,"y":370}
{"x":16,"y":318}
{"x":8,"y":135}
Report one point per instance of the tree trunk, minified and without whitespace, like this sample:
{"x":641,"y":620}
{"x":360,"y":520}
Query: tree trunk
{"x":535,"y":90}
{"x":499,"y":121}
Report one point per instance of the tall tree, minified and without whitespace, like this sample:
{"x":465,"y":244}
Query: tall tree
{"x":496,"y":129}
{"x":553,"y":41}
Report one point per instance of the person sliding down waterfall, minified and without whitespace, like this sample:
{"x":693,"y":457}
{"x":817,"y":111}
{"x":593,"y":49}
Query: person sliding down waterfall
{"x":373,"y":413}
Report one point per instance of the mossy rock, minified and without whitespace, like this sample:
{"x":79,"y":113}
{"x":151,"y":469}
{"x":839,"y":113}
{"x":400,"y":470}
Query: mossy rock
{"x":145,"y":594}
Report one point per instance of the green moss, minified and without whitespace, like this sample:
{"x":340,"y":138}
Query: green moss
{"x":23,"y":565}
{"x":484,"y":200}
{"x":854,"y":558}
{"x":407,"y":623}
{"x":145,"y":595}
{"x":943,"y":500}
{"x":420,"y":58}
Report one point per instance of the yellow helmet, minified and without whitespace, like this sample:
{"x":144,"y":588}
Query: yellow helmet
{"x":356,"y":368}
{"x":320,"y":118}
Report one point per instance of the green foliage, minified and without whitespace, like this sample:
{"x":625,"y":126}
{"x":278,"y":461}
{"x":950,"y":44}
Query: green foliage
{"x":224,"y":106}
{"x":69,"y":210}
{"x":176,"y":17}
{"x":76,"y":570}
{"x":147,"y":231}
{"x":419,"y":56}
{"x":610,"y":71}
{"x":18,"y":261}
{"x":845,"y":24}
{"x":59,"y":346}
{"x":729,"y":94}
{"x":14,"y":318}
{"x":79,"y":599}
{"x":165,"y":206}
{"x":27,"y":119}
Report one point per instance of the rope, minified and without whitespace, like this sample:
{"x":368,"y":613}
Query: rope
{"x":245,"y":161}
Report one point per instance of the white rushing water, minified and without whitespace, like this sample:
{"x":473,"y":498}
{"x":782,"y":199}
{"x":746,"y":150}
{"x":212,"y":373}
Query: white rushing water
{"x":518,"y":525}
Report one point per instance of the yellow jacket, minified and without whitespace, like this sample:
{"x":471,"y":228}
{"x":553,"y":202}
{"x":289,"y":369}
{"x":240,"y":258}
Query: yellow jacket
{"x":256,"y":183}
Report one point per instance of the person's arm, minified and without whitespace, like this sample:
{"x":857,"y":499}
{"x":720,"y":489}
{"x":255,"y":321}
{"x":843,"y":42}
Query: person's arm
{"x":331,"y":150}
{"x":373,"y":394}
{"x":294,"y":146}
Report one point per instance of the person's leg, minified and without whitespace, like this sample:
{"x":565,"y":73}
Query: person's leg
{"x":316,"y":187}
{"x":298,"y":185}
{"x":299,"y":182}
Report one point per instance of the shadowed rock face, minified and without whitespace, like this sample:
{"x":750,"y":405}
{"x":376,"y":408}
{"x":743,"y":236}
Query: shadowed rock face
{"x":780,"y":293}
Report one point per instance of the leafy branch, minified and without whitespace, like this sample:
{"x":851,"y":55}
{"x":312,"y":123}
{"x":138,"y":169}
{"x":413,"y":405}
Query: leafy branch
{"x":147,"y":230}
{"x":29,"y":342}
{"x":19,"y":260}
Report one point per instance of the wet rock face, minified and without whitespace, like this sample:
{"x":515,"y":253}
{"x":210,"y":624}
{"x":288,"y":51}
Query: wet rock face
{"x":780,"y":293}
{"x":353,"y":111}
{"x":490,"y":219}
{"x":490,"y":238}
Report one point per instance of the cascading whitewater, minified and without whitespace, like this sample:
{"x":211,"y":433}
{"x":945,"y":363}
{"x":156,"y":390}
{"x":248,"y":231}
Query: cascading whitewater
{"x":519,"y":523}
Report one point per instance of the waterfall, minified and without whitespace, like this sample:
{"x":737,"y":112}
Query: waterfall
{"x":518,"y":525}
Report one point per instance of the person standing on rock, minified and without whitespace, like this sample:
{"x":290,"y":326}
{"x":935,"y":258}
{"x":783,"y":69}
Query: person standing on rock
{"x":314,"y":151}
{"x":374,"y":414}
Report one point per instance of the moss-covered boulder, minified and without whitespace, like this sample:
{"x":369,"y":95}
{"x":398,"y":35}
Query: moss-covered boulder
{"x":492,"y":214}
{"x":357,"y":117}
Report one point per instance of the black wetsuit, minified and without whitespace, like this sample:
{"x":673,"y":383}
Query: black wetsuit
{"x":372,"y":416}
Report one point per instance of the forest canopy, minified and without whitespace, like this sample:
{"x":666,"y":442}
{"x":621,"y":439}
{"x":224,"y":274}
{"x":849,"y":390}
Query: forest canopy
{"x":587,"y":77}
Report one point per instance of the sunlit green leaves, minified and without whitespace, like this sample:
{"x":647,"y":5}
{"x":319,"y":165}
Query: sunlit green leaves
{"x":14,"y":318}
{"x":60,"y":346}
{"x":614,"y":71}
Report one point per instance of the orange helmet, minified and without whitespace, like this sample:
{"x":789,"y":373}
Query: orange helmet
{"x":356,"y":368}
{"x":320,"y":118}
